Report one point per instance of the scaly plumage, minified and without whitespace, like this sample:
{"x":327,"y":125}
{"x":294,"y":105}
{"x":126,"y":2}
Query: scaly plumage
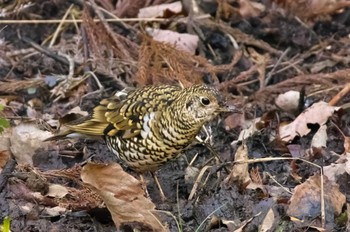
{"x":149,"y":126}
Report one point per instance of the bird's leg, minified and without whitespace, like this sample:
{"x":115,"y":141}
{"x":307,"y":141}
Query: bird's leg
{"x":162,"y":196}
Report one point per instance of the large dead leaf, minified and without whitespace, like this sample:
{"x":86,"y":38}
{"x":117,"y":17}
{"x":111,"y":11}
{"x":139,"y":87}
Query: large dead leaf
{"x":25,"y":139}
{"x":318,"y":113}
{"x":122,"y":194}
{"x":306,"y":200}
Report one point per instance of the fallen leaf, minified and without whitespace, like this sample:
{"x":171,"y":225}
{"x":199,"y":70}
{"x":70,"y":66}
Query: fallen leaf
{"x":341,"y":166}
{"x":4,"y":157}
{"x":320,"y":138}
{"x":239,"y":173}
{"x":160,"y":10}
{"x":268,"y":221}
{"x":57,"y":190}
{"x":25,"y":139}
{"x":182,"y":41}
{"x":311,"y":9}
{"x":306,"y":200}
{"x":55,"y":211}
{"x":250,"y":129}
{"x":122,"y":194}
{"x":318,"y":113}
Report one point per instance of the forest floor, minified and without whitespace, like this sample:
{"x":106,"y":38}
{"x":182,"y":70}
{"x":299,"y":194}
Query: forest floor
{"x":281,"y":165}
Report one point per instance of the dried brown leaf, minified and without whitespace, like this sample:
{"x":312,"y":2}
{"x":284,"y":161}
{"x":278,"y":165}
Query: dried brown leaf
{"x":341,"y":166}
{"x":122,"y":194}
{"x":239,"y":173}
{"x":312,"y":9}
{"x":182,"y":41}
{"x":4,"y":157}
{"x":306,"y":200}
{"x":318,"y":113}
{"x":160,"y":10}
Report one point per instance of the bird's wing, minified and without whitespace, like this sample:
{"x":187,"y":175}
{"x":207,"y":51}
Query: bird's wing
{"x":125,"y":118}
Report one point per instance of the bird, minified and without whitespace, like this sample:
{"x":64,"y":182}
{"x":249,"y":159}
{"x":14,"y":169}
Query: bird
{"x":147,"y":127}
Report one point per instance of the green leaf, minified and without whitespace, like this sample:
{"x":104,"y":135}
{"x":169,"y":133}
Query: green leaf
{"x":6,"y":225}
{"x":2,"y":107}
{"x":3,"y":124}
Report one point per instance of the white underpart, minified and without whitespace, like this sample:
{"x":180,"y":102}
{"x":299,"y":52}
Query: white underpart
{"x":147,"y":120}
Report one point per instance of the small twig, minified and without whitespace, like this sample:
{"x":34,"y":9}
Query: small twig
{"x":43,"y":50}
{"x":340,"y":95}
{"x":269,"y":75}
{"x":196,"y":183}
{"x":55,"y":34}
{"x":57,"y":21}
{"x":274,"y":180}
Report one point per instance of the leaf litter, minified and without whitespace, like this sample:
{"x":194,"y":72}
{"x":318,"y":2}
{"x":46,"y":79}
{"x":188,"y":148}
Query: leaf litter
{"x":282,"y":165}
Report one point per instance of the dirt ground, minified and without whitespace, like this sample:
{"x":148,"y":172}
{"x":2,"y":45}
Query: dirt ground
{"x":283,"y":164}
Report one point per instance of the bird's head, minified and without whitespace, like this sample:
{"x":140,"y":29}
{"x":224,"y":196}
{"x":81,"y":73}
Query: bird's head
{"x":204,"y":103}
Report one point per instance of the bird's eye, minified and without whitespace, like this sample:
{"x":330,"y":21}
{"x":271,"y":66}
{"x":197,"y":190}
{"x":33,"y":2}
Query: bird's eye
{"x":205,"y":101}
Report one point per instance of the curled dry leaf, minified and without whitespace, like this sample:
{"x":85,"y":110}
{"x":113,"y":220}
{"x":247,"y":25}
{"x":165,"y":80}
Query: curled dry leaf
{"x":306,"y":200}
{"x":239,"y":173}
{"x":250,"y":130}
{"x":182,"y":41}
{"x":318,"y":113}
{"x":122,"y":194}
{"x":160,"y":10}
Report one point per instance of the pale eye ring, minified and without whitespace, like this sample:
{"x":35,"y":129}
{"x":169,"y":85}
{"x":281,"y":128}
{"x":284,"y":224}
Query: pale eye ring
{"x":205,"y":101}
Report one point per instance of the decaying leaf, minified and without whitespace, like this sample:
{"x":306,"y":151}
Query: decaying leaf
{"x":160,"y":10}
{"x":311,"y":9}
{"x":268,"y":221}
{"x":4,"y":157}
{"x":25,"y":139}
{"x":239,"y":173}
{"x":318,"y":113}
{"x":250,"y":129}
{"x":320,"y":138}
{"x":122,"y":194}
{"x":182,"y":41}
{"x":341,"y":166}
{"x":57,"y":190}
{"x":306,"y":200}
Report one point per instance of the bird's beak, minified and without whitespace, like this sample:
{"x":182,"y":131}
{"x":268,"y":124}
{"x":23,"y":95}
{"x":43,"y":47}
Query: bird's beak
{"x":230,"y":109}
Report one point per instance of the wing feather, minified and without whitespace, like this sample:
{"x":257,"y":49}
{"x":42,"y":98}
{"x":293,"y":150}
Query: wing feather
{"x":124,"y":116}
